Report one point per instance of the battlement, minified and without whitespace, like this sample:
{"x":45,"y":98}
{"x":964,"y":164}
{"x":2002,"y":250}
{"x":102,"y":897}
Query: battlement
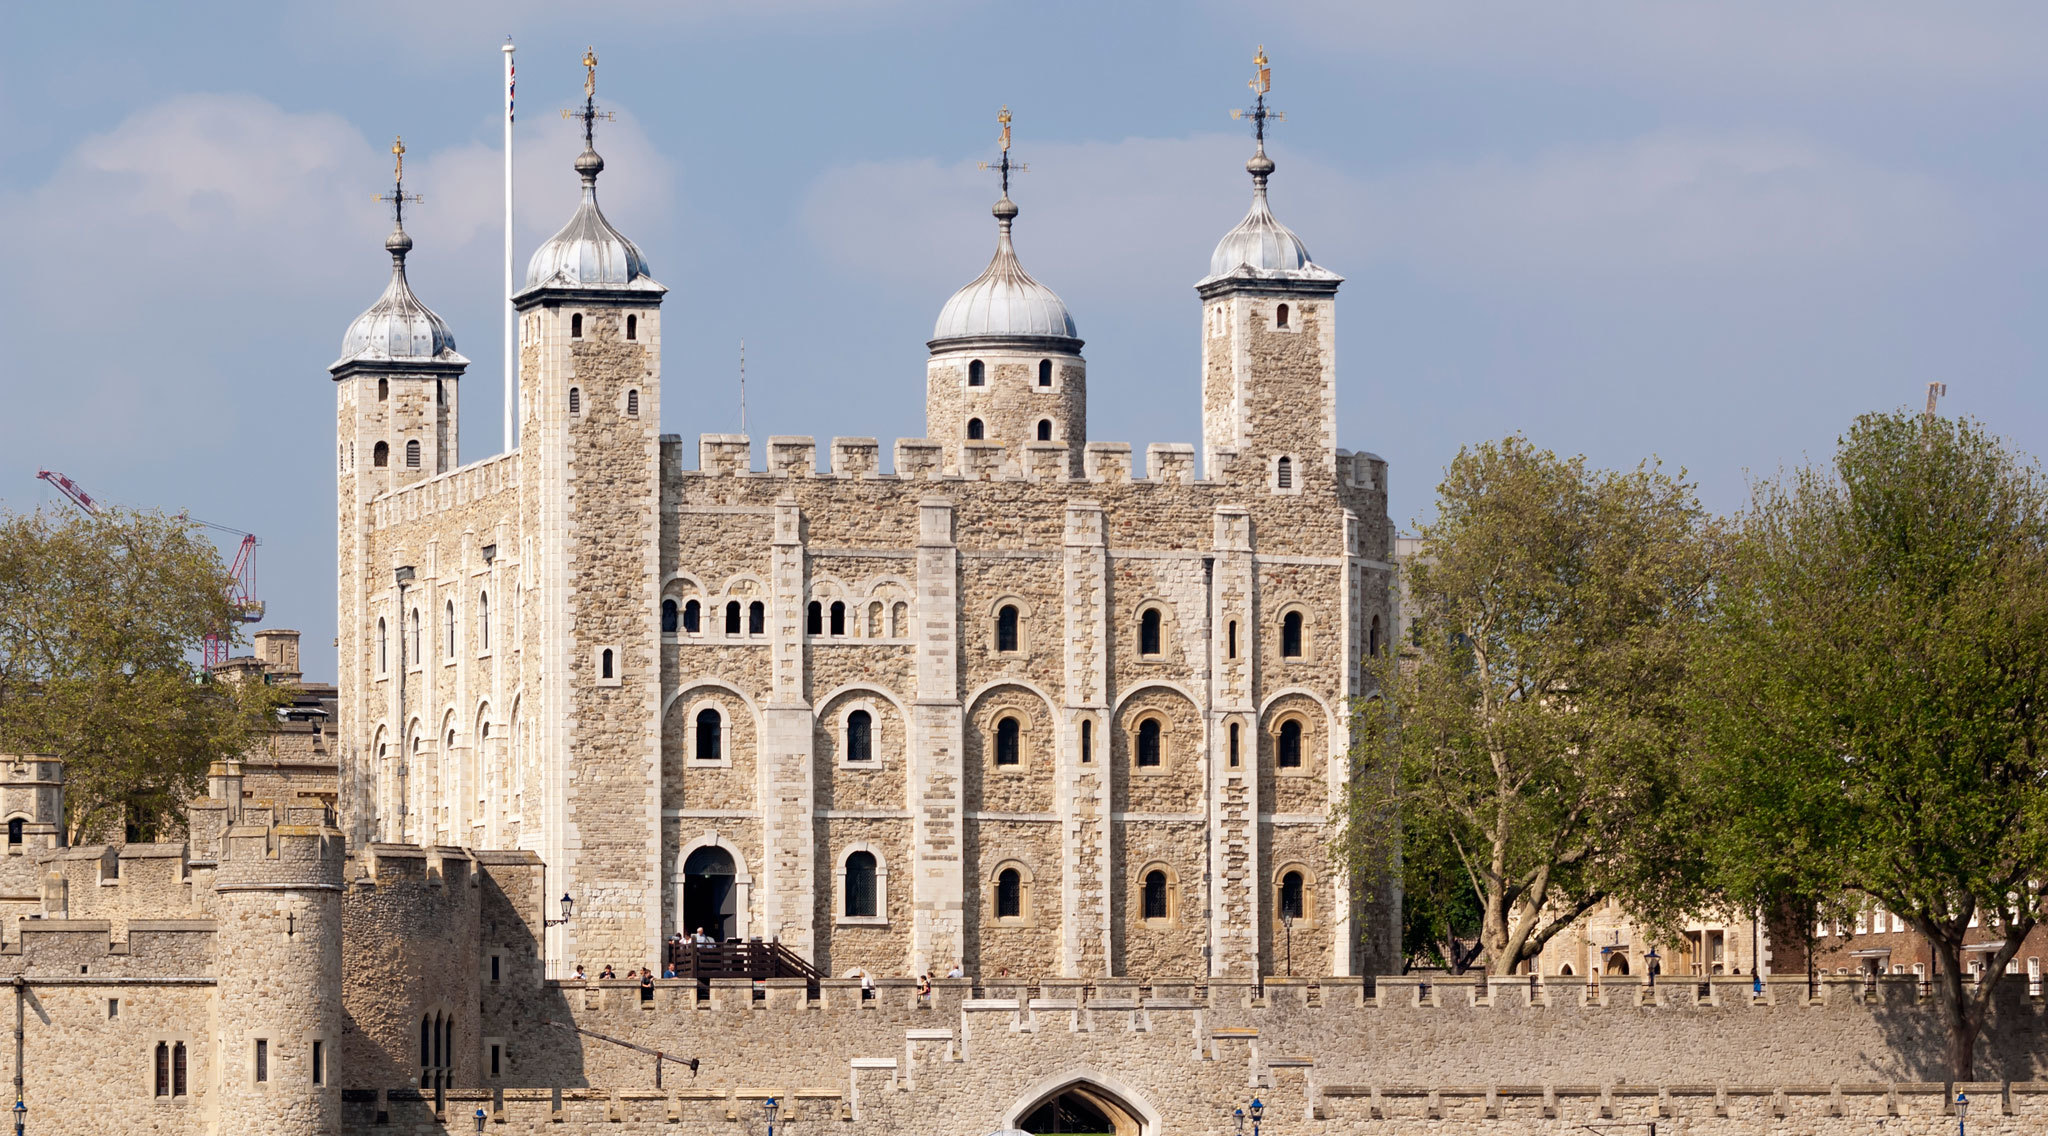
{"x":270,"y":845}
{"x":924,"y":459}
{"x":477,"y":481}
{"x":418,"y":865}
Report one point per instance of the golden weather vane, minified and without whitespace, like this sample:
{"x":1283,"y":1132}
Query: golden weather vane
{"x":398,"y":197}
{"x":1262,"y":77}
{"x":590,"y":72}
{"x":1004,"y":166}
{"x":589,"y":113}
{"x":1261,"y":85}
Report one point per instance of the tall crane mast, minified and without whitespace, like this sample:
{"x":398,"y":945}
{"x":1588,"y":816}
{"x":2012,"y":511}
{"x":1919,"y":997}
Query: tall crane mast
{"x":241,"y":574}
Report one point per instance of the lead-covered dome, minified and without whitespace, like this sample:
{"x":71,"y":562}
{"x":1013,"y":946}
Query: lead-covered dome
{"x":1004,"y":302}
{"x":589,"y":252}
{"x":398,"y":327}
{"x":1260,"y":246}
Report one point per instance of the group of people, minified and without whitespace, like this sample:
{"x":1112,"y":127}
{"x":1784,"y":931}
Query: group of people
{"x":645,"y":975}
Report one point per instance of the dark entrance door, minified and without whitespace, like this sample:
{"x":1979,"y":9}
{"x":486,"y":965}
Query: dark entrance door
{"x":708,"y":894}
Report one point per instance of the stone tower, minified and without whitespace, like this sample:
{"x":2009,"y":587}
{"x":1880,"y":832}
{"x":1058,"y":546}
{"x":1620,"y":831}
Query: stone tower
{"x":1006,"y":364}
{"x":278,"y":894}
{"x":395,"y":414}
{"x":1269,"y":353}
{"x":590,"y":333}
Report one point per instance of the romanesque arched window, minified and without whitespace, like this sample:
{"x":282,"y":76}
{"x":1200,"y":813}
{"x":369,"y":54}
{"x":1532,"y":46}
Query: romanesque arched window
{"x":1010,"y":894}
{"x":576,"y":326}
{"x":1151,"y":743}
{"x":1293,"y":896}
{"x":383,"y":390}
{"x":1006,"y":628}
{"x":632,"y":404}
{"x":1290,"y":635}
{"x":1087,"y":741}
{"x":732,"y":617}
{"x":710,"y":735}
{"x":860,"y":885}
{"x":383,"y":647}
{"x":1155,"y":906}
{"x":1045,"y":372}
{"x":757,"y":618}
{"x":1149,"y":638}
{"x":1283,"y":473}
{"x":449,"y":618}
{"x":632,"y":327}
{"x":1280,"y":316}
{"x":575,"y":400}
{"x":860,"y":736}
{"x":671,"y":617}
{"x":977,"y":375}
{"x":483,"y":621}
{"x":814,"y":619}
{"x":412,"y":453}
{"x":607,"y":665}
{"x":1009,"y":741}
{"x":1288,"y":749}
{"x":974,"y":429}
{"x":1045,"y":429}
{"x":1234,"y":745}
{"x":838,"y":618}
{"x":692,"y":613}
{"x":380,"y":455}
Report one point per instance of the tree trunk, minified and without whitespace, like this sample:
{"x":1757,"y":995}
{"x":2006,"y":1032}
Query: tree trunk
{"x":1963,"y":1026}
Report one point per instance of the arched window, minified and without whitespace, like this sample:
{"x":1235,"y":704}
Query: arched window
{"x":576,"y":326}
{"x":1280,"y":316}
{"x":1283,"y":474}
{"x":1290,"y":635}
{"x":1372,"y":642}
{"x":710,"y":743}
{"x":632,"y":404}
{"x":1232,"y":648}
{"x":380,"y":455}
{"x":1155,"y":894}
{"x":1289,"y":747}
{"x":1150,"y":743}
{"x":606,"y":667}
{"x":1006,"y":628}
{"x":814,"y":619}
{"x":899,"y":620}
{"x":383,"y":647}
{"x":1293,"y":896}
{"x":1045,"y":429}
{"x":860,"y":885}
{"x":412,"y":453}
{"x":860,"y":736}
{"x":974,"y":429}
{"x":483,"y":621}
{"x":632,"y":327}
{"x":383,"y":390}
{"x":732,"y":617}
{"x":1009,"y":741}
{"x":575,"y":401}
{"x":1045,"y":372}
{"x":691,"y":616}
{"x":1234,"y":750}
{"x":415,"y":635}
{"x":1148,"y":632}
{"x":440,"y":393}
{"x":14,"y":827}
{"x":163,"y":1068}
{"x":1087,"y":740}
{"x":671,"y":618}
{"x":1010,"y":894}
{"x":449,"y":616}
{"x":976,"y":374}
{"x":178,"y":1069}
{"x":838,"y":618}
{"x":757,"y":618}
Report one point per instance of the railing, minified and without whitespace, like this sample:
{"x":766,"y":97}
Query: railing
{"x":751,"y":959}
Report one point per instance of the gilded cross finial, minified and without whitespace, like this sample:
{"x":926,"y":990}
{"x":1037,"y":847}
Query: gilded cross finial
{"x":1261,"y":85}
{"x":1003,"y":166}
{"x":589,"y":113}
{"x":398,"y":197}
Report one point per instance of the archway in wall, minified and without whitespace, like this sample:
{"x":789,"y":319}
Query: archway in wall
{"x":1617,"y":963}
{"x":1082,"y":1108}
{"x":709,"y":897}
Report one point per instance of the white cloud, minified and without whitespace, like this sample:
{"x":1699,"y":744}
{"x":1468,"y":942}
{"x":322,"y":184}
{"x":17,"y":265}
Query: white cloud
{"x":1722,"y":44}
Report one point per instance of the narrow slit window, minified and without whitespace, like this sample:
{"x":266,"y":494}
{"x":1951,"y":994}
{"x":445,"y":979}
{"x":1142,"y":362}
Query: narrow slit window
{"x":860,"y":736}
{"x":1155,"y":894}
{"x":262,"y":1059}
{"x":710,"y":726}
{"x":1010,"y":894}
{"x":178,"y":1069}
{"x":448,"y":618}
{"x":1289,"y":747}
{"x":1231,"y":648}
{"x":1009,"y":742}
{"x":1148,"y":632}
{"x":1234,"y":744}
{"x":1372,"y":641}
{"x":483,"y":621}
{"x":1006,"y":628}
{"x":632,"y":327}
{"x":1087,"y":741}
{"x":319,"y":1062}
{"x":1290,"y":635}
{"x":606,"y":667}
{"x":383,"y":390}
{"x":163,"y":1068}
{"x":1150,"y":743}
{"x":1045,"y":372}
{"x":860,"y":885}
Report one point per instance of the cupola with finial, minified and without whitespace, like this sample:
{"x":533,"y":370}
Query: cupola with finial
{"x":588,"y":254}
{"x":1006,"y":373}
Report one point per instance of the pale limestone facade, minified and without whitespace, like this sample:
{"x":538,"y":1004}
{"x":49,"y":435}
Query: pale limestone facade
{"x":1073,"y":718}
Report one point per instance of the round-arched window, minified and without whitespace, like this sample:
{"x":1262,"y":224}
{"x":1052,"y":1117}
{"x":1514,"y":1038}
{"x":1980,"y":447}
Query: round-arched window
{"x":974,"y":429}
{"x":860,"y":885}
{"x":1151,"y":743}
{"x":860,"y":737}
{"x":1009,"y":741}
{"x":710,"y":742}
{"x":1155,"y":906}
{"x":1289,"y":756}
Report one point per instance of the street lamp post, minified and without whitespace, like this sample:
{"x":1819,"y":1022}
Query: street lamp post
{"x":568,"y":909}
{"x":1287,"y":921}
{"x":771,"y":1107}
{"x":1238,"y":1114}
{"x":479,"y":1120}
{"x":1258,"y":1113}
{"x":20,"y":1117}
{"x":1962,"y":1113}
{"x":1651,"y":958}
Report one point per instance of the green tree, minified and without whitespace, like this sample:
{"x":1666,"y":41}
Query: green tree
{"x":1529,"y":732}
{"x":1871,"y":695}
{"x":99,"y":619}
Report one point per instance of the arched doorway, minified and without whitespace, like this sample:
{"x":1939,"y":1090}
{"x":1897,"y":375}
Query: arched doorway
{"x":1092,"y":1104}
{"x":1617,"y":963}
{"x":709,"y":897}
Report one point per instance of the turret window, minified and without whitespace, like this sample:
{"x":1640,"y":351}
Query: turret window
{"x":576,"y":327}
{"x":1155,"y":898}
{"x":977,"y":375}
{"x":974,"y":429}
{"x":449,"y":620}
{"x":1010,"y":894}
{"x":1087,"y":741}
{"x":14,"y":830}
{"x":632,"y":327}
{"x":483,"y":621}
{"x":607,"y":667}
{"x":1234,"y":746}
{"x":381,"y":455}
{"x":383,"y":647}
{"x":1045,"y":372}
{"x":383,"y":390}
{"x":1045,"y":429}
{"x":412,"y":453}
{"x":1280,"y":316}
{"x":575,"y":401}
{"x":632,"y":404}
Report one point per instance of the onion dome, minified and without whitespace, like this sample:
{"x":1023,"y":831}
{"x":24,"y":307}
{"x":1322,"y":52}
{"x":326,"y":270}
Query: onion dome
{"x":398,"y":328}
{"x":589,"y":252}
{"x":1004,"y":302}
{"x":1260,"y":247}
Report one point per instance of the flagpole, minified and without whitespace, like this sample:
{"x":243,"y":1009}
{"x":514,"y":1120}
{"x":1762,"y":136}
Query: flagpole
{"x":511,"y":331}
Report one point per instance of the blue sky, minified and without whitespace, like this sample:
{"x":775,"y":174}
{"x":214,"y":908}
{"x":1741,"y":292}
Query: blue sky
{"x":1707,"y":232}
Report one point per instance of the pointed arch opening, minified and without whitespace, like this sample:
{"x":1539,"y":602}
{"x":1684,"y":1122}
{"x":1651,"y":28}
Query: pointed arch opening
{"x":1083,"y":1101}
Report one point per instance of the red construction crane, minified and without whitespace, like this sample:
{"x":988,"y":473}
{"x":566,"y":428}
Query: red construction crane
{"x":242,"y":573}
